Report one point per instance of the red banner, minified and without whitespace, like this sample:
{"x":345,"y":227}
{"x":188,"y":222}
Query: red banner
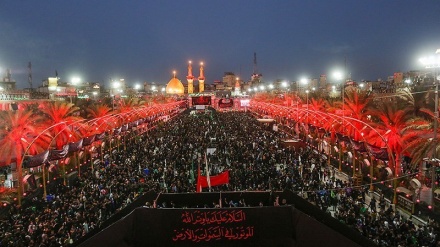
{"x":201,"y":100}
{"x":223,"y":103}
{"x":202,"y":181}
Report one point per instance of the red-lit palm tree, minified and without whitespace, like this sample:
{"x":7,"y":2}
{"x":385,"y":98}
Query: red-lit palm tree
{"x":317,"y":108}
{"x":99,"y":116}
{"x":21,"y":133}
{"x":392,"y":122}
{"x":64,"y":116}
{"x":354,"y":113}
{"x":356,"y":105}
{"x":419,"y":135}
{"x":420,"y":141}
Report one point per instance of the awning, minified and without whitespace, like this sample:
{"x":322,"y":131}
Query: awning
{"x":405,"y":190}
{"x":291,"y":141}
{"x":265,"y":120}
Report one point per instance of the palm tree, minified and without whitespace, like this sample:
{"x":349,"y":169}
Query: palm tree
{"x":392,"y":121}
{"x":356,"y":105}
{"x":64,"y":122}
{"x":57,"y":113}
{"x":420,"y":142}
{"x":21,"y":133}
{"x":354,"y":113}
{"x":98,"y":113}
{"x":417,"y":100}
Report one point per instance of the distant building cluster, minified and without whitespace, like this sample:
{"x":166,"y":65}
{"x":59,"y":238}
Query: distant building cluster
{"x":55,"y":88}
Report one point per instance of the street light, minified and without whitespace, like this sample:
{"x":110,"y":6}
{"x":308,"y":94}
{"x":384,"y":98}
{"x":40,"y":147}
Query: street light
{"x":115,"y":88}
{"x":433,"y":62}
{"x":76,"y":80}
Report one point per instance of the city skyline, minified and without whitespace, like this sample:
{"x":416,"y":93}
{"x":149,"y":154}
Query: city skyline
{"x":141,"y":41}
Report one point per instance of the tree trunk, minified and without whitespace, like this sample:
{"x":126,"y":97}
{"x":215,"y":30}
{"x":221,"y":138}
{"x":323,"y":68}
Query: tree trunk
{"x":19,"y":174}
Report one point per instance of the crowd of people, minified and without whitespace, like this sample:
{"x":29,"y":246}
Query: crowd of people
{"x":167,"y":158}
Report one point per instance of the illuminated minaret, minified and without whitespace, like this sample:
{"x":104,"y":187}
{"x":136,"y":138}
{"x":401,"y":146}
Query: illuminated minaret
{"x":190,"y":78}
{"x":201,"y":79}
{"x":237,"y":86}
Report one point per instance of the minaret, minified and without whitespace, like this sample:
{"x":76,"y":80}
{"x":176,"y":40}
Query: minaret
{"x":190,"y":78}
{"x":237,"y":86}
{"x":201,"y":79}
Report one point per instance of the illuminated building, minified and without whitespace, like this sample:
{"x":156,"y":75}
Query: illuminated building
{"x":175,"y":86}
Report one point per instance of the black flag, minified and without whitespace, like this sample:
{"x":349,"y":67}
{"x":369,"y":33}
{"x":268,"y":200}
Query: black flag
{"x":56,"y":73}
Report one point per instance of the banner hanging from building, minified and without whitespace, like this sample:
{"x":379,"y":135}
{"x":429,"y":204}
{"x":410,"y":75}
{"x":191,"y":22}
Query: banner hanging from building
{"x":224,"y":103}
{"x":201,"y":100}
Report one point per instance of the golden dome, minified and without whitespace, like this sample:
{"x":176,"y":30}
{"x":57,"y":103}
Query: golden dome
{"x":175,"y":86}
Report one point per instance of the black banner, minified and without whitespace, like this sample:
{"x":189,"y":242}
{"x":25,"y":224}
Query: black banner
{"x":223,"y":103}
{"x":201,"y":100}
{"x":258,"y":226}
{"x":265,"y":226}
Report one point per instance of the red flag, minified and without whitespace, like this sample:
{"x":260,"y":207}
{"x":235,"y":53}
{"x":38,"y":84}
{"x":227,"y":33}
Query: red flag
{"x":202,"y":181}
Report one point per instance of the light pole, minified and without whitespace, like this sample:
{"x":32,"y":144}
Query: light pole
{"x":75,"y":81}
{"x":307,"y":102}
{"x":115,"y":87}
{"x":137,"y":87}
{"x":433,"y":62}
{"x":339,"y":76}
{"x":303,"y":81}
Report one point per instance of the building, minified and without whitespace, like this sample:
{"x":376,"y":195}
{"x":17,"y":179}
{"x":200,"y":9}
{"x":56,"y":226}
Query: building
{"x":229,"y":80}
{"x":322,"y":81}
{"x":7,"y":83}
{"x":398,"y":79}
{"x":175,"y":86}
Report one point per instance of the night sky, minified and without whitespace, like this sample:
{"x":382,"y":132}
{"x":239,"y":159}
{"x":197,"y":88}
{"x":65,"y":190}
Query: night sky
{"x":146,"y":40}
